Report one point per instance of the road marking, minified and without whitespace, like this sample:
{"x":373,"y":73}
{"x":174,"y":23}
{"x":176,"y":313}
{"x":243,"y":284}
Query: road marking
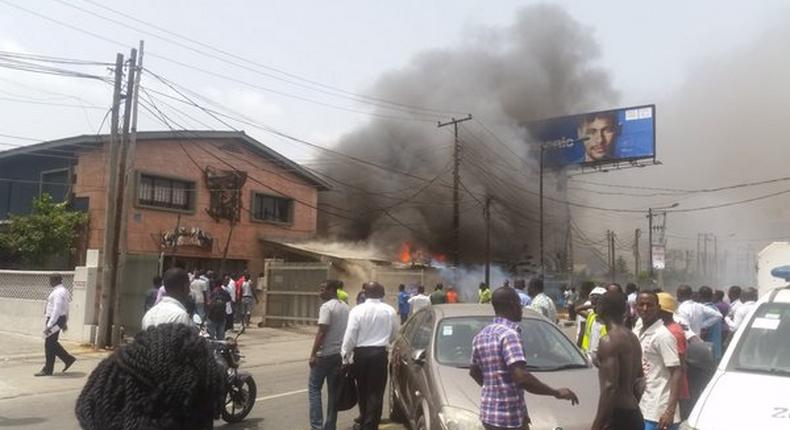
{"x":277,"y":396}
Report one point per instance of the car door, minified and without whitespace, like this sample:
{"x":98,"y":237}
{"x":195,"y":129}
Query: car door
{"x":399,"y":364}
{"x":416,"y":383}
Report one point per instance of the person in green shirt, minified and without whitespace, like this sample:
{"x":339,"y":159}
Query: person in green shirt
{"x":438,"y":297}
{"x":484,"y":294}
{"x":342,"y":295}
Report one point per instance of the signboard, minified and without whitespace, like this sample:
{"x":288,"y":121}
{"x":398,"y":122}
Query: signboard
{"x":605,"y":137}
{"x":659,"y":257}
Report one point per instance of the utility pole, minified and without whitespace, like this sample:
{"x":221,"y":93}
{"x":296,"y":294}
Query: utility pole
{"x":637,"y":233}
{"x":487,"y":214}
{"x":110,"y":213}
{"x":650,"y":242}
{"x":456,"y":190}
{"x":125,"y":185}
{"x":613,"y":263}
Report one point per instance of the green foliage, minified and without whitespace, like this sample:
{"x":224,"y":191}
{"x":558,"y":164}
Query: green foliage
{"x":51,"y":229}
{"x":621,"y":266}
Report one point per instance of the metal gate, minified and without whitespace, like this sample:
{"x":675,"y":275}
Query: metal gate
{"x":292,"y":292}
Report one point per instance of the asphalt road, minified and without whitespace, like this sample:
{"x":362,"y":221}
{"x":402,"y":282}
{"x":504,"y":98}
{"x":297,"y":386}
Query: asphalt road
{"x":281,"y":404}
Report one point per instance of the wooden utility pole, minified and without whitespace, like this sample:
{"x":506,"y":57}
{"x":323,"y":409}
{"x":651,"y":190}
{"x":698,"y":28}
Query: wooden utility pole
{"x":487,"y":213}
{"x":110,"y":213}
{"x":613,"y":264}
{"x":456,"y":188}
{"x":120,"y":194}
{"x":637,"y":234}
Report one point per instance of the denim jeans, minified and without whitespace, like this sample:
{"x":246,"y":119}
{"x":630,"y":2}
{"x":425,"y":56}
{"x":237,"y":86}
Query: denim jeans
{"x":326,"y":368}
{"x":216,"y":329}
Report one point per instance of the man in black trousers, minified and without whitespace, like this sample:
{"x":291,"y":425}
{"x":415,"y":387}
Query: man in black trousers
{"x":57,"y":313}
{"x":372,"y":326}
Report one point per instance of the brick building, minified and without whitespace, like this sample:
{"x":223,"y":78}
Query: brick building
{"x":180,"y":189}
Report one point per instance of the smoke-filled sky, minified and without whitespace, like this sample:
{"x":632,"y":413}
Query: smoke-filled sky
{"x":717,"y":72}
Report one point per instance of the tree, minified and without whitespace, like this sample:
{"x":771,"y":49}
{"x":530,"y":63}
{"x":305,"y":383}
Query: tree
{"x":621,"y":266}
{"x":51,"y":229}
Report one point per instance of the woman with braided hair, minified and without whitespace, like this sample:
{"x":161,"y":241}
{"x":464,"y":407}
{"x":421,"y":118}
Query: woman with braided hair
{"x":166,"y":379}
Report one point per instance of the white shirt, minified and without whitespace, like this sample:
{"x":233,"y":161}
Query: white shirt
{"x":197,"y":287}
{"x":57,"y":306}
{"x":231,"y":289}
{"x":697,"y":316}
{"x":418,"y":302}
{"x":543,"y":304}
{"x":734,"y":307}
{"x":372,"y":323}
{"x":659,"y":353}
{"x":168,"y":310}
{"x":739,"y":316}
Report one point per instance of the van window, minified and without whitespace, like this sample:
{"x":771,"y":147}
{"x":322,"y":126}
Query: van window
{"x":764,"y":346}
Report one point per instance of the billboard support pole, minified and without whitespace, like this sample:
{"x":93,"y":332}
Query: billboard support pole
{"x":542,"y":151}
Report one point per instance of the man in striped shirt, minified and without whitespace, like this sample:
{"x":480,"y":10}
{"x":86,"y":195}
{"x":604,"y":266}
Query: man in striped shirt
{"x":499,"y":366}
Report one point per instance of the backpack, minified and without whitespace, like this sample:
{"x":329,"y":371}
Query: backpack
{"x":216,"y":306}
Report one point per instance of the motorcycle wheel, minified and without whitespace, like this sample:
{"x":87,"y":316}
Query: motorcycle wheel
{"x":239,"y":401}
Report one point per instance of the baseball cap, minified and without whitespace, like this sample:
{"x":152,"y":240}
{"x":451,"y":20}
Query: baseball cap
{"x":667,"y":303}
{"x":598,"y":291}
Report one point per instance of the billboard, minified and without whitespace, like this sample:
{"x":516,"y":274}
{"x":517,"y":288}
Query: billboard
{"x":604,"y":137}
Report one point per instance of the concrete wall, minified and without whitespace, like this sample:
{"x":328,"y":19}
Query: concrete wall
{"x":26,"y":315}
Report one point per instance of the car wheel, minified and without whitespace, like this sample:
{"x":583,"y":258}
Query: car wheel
{"x":396,"y":413}
{"x":421,"y":424}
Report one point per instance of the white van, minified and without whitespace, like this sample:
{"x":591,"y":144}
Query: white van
{"x":751,"y":386}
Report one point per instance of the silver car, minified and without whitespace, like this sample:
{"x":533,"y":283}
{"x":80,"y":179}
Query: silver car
{"x":430,"y":386}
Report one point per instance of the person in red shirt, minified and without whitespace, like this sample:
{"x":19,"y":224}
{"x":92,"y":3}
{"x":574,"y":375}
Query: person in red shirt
{"x":669,"y":306}
{"x":452,"y":295}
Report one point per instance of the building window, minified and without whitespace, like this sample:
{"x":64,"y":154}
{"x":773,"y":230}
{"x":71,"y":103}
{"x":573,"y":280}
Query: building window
{"x":165,"y":193}
{"x":56,"y":183}
{"x":271,"y":208}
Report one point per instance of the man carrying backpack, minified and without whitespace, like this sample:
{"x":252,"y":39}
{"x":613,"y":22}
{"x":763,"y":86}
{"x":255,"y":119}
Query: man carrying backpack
{"x":215,"y":311}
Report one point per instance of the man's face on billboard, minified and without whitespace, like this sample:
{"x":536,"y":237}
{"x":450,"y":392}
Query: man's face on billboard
{"x":600,"y":134}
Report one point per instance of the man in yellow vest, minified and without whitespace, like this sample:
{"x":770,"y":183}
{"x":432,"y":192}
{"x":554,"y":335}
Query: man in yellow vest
{"x":593,"y":329}
{"x":484,"y":294}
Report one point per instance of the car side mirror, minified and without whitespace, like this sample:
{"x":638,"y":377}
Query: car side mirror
{"x":418,"y":357}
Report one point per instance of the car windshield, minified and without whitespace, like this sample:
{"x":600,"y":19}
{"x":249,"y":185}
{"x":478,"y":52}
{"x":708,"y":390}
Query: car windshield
{"x":545,"y":347}
{"x":764,"y":346}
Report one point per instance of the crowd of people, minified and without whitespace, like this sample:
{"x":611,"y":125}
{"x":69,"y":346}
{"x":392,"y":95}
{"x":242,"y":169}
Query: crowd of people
{"x":220,"y":301}
{"x":654,"y":351}
{"x":680,"y":341}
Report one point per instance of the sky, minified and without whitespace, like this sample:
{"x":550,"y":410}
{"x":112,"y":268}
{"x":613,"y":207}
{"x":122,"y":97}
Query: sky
{"x":676,"y":54}
{"x":647,"y":46}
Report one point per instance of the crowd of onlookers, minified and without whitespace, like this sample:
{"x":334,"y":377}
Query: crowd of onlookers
{"x":220,"y":301}
{"x":682,"y":339}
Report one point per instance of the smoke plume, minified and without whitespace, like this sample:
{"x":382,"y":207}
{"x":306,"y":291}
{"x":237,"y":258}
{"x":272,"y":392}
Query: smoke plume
{"x":543,"y":65}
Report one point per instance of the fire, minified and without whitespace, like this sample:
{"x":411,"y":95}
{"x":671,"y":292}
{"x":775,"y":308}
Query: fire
{"x":405,"y":253}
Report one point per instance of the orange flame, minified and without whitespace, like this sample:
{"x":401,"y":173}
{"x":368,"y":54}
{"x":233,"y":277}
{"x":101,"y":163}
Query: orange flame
{"x":405,"y":253}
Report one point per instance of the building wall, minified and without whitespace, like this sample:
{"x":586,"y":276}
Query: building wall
{"x":186,"y":160}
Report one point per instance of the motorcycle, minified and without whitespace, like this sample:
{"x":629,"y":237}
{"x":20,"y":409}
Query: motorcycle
{"x":240,"y":388}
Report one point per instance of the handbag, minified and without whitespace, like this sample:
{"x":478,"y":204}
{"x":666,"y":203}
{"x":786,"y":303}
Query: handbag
{"x":346,"y":390}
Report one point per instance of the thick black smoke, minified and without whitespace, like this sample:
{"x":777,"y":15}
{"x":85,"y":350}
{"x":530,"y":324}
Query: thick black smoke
{"x":543,"y":65}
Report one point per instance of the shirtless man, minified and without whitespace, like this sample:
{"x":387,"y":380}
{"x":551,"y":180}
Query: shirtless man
{"x":620,"y":357}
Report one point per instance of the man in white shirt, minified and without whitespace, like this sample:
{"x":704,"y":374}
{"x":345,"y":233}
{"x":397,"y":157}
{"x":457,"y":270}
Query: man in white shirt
{"x":230,"y":287}
{"x":372,"y":327}
{"x":57,"y":313}
{"x":735,"y":319}
{"x":660,"y":365}
{"x":696,"y":316}
{"x":734,"y":294}
{"x":419,"y":301}
{"x":540,"y":301}
{"x":171,"y":308}
{"x":198,"y":289}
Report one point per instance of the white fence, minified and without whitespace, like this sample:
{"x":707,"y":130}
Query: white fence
{"x":23,"y":300}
